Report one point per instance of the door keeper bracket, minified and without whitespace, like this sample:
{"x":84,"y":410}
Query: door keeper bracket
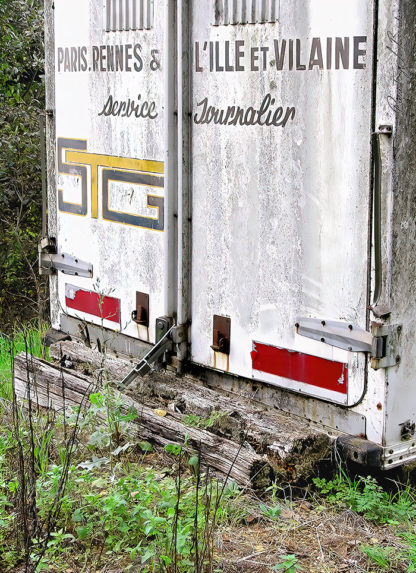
{"x":141,"y":314}
{"x":221,"y":334}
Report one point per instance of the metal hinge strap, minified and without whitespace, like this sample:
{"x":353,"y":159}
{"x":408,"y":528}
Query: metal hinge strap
{"x":382,"y":343}
{"x":50,"y":261}
{"x":340,"y":334}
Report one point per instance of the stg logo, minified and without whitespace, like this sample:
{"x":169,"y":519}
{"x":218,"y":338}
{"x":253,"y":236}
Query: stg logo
{"x":74,"y":160}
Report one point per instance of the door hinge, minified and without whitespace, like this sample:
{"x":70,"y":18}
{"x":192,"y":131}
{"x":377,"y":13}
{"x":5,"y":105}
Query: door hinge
{"x":382,"y":343}
{"x":336,"y":333}
{"x":50,"y":261}
{"x":386,"y":345}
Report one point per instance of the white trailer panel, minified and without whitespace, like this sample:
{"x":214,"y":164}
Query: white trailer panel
{"x":281,"y":169}
{"x":110,"y":156}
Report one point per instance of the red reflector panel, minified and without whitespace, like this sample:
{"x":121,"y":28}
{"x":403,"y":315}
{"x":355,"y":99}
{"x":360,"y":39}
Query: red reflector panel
{"x":300,"y":367}
{"x":88,"y":301}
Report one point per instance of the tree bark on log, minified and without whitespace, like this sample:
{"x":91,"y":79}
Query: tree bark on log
{"x":53,"y":387}
{"x":294,"y":449}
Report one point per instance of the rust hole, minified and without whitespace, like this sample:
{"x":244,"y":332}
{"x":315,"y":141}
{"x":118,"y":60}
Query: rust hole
{"x":379,"y":406}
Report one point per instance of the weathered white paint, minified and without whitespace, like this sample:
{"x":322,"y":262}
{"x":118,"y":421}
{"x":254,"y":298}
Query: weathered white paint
{"x":126,"y":259}
{"x":280,"y":213}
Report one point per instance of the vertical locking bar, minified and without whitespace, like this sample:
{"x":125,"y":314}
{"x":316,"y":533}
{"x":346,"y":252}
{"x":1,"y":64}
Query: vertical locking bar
{"x":43,"y":173}
{"x":378,"y":170}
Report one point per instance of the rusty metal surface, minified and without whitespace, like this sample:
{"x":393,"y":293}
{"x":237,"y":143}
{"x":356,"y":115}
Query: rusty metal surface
{"x":221,"y":334}
{"x":141,"y":314}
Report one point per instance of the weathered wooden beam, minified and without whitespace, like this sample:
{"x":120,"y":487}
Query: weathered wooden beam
{"x":295,"y":450}
{"x":97,"y":364}
{"x":48,"y":385}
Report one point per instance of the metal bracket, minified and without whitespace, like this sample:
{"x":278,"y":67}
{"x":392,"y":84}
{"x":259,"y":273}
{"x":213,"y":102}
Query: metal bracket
{"x":141,"y":314}
{"x":382,"y":343}
{"x":386,"y":346}
{"x":50,"y":261}
{"x":173,"y":335}
{"x":336,"y":333}
{"x":221,"y":334}
{"x":163,"y":325}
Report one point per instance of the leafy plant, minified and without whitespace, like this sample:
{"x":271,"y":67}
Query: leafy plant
{"x":288,"y":564}
{"x":380,"y":555}
{"x":174,"y":449}
{"x":365,"y":496}
{"x":198,"y":422}
{"x":272,"y":512}
{"x":22,"y":292}
{"x":108,"y":407}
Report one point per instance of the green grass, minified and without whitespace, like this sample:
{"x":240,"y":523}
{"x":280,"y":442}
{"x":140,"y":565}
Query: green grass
{"x":28,"y":339}
{"x":121,"y":504}
{"x":365,"y":496}
{"x":114,"y":504}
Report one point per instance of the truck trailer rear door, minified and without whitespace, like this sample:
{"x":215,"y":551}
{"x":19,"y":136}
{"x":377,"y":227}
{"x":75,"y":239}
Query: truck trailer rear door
{"x":110,"y":162}
{"x":281,"y":152}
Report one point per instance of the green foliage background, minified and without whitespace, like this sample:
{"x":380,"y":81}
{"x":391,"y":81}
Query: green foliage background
{"x":21,"y":104}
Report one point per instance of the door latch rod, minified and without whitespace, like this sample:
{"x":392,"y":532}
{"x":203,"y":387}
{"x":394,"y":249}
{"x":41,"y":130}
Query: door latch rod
{"x":175,"y":335}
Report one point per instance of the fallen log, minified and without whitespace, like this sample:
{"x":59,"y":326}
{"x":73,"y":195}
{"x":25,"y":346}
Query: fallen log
{"x":295,"y":450}
{"x":50,"y":386}
{"x":94,"y":363}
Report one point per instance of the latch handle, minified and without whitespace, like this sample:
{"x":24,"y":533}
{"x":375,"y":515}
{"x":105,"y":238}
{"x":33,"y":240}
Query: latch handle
{"x":221,"y":334}
{"x":221,"y":343}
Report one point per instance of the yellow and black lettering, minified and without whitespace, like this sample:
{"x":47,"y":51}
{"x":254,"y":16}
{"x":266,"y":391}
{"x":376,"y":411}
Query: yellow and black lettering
{"x":134,"y":178}
{"x":123,"y":169}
